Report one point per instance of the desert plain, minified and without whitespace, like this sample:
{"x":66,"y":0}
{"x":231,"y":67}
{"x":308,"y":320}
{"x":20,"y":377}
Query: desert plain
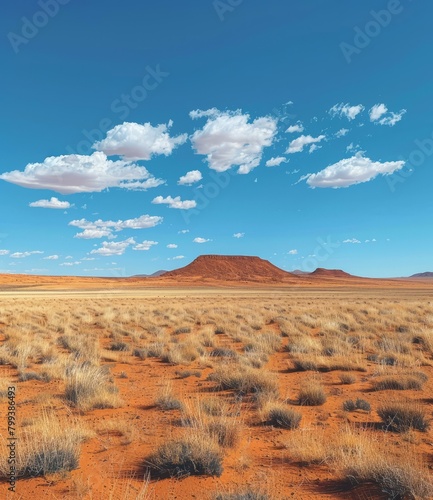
{"x":187,"y":387}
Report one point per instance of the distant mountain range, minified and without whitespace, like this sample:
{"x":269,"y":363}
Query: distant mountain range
{"x":153,"y":275}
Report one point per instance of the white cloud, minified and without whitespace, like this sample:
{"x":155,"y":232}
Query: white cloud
{"x":350,"y":112}
{"x":379,"y":114}
{"x":298,"y":144}
{"x":110,"y":248}
{"x":190,"y":178}
{"x":133,"y":141}
{"x":293,"y":252}
{"x":51,"y":257}
{"x":178,"y":257}
{"x":70,"y":264}
{"x":313,"y":148}
{"x":172,"y":245}
{"x":4,"y":252}
{"x":22,"y":255}
{"x":183,"y":231}
{"x":228,"y":139}
{"x":298,"y":127}
{"x":145,"y":245}
{"x":101,"y":228}
{"x":276,"y":162}
{"x":377,"y":111}
{"x":69,"y":174}
{"x":342,"y":132}
{"x":88,"y":258}
{"x":200,"y":240}
{"x":351,"y":171}
{"x":352,"y":147}
{"x":238,"y":235}
{"x":68,"y":257}
{"x":352,"y":240}
{"x":175,"y":202}
{"x":51,"y":203}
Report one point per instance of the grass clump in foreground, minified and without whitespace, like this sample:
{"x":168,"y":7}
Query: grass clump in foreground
{"x":246,"y":380}
{"x":278,"y":415}
{"x":311,"y":393}
{"x":194,"y":456}
{"x":89,"y":387}
{"x":402,"y":417}
{"x":47,"y":447}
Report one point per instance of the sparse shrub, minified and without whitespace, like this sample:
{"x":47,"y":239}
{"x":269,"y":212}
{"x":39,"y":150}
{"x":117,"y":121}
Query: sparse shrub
{"x":43,"y":377}
{"x":187,"y":373}
{"x":194,"y":456}
{"x":362,"y":404}
{"x":184,"y":329}
{"x":349,"y":405}
{"x":359,"y":404}
{"x":311,"y":394}
{"x":119,"y":346}
{"x":226,"y":432}
{"x":397,"y":383}
{"x":214,"y":406}
{"x":223,"y":352}
{"x":402,"y":417}
{"x":219,"y":330}
{"x":89,"y":387}
{"x":245,"y":380}
{"x":347,"y":378}
{"x":280,"y":416}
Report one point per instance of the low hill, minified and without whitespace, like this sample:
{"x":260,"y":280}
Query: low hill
{"x":231,"y":268}
{"x":422,"y":275}
{"x":331,"y":273}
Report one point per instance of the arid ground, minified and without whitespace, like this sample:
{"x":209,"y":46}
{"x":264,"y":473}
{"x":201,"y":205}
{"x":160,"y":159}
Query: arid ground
{"x":211,"y":393}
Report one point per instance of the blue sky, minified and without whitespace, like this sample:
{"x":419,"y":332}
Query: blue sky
{"x":137,"y":136}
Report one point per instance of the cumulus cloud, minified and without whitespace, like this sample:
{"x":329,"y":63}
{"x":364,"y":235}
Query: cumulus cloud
{"x":51,"y":257}
{"x":200,"y":240}
{"x":342,"y":132}
{"x":4,"y":252}
{"x":133,"y":141}
{"x":53,"y":202}
{"x":101,"y":228}
{"x":350,"y":112}
{"x":379,"y":114}
{"x":293,"y":252}
{"x":183,"y":231}
{"x":145,"y":245}
{"x":298,"y":127}
{"x":238,"y":235}
{"x":172,"y":245}
{"x":22,"y":255}
{"x":175,"y":202}
{"x":228,"y":139}
{"x":298,"y":144}
{"x":69,"y":174}
{"x":276,"y":162}
{"x":351,"y":171}
{"x":190,"y":178}
{"x":352,"y":241}
{"x":110,"y":248}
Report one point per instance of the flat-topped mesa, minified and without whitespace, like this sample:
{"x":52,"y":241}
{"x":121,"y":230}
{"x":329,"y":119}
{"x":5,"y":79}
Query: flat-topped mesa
{"x":231,"y":268}
{"x":331,"y":273}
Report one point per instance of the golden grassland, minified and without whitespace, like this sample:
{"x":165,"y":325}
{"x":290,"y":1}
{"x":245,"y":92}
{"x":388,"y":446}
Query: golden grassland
{"x":297,"y":395}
